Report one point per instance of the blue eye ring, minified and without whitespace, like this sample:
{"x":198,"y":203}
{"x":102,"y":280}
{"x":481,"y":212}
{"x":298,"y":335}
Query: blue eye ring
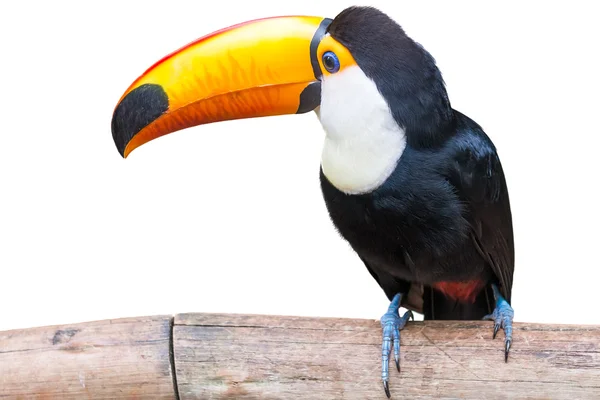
{"x":331,"y":62}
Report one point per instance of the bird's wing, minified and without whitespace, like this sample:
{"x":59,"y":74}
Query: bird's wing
{"x":477,"y":175}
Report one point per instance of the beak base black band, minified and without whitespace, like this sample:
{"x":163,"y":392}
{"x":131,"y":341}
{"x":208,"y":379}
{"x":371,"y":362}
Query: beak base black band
{"x":314,"y":45}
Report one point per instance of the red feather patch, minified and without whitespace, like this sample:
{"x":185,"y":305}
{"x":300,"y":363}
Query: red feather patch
{"x":462,"y":291}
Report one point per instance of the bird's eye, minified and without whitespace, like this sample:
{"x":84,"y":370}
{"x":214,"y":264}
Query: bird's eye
{"x":331,"y":62}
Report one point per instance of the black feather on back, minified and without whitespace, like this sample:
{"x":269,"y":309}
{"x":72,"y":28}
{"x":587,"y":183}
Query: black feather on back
{"x":480,"y":183}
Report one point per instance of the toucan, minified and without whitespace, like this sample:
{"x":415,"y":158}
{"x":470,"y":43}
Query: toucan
{"x":415,"y":187}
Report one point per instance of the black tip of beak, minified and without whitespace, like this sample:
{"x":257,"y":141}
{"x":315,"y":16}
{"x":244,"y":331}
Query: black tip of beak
{"x":139,"y":108}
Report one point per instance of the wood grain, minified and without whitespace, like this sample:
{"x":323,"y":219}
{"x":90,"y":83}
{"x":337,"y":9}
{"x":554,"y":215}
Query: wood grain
{"x":224,"y":356}
{"x":112,"y":359}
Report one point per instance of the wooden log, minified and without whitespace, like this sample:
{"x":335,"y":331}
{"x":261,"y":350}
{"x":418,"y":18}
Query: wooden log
{"x":264,"y":357}
{"x":225,"y":356}
{"x":113,"y":359}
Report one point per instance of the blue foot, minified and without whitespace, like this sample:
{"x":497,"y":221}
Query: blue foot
{"x":392,"y":324}
{"x":503,"y":318}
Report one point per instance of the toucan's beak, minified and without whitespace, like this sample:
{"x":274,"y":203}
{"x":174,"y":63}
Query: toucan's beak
{"x":255,"y":69}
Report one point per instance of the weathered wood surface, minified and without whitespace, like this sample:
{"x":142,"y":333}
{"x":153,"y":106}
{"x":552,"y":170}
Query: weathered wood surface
{"x":112,"y":359}
{"x":224,"y":356}
{"x":262,"y":357}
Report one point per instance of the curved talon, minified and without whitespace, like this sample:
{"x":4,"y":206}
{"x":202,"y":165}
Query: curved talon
{"x":496,"y":327}
{"x":507,"y":349}
{"x":503,"y":318}
{"x":386,"y":387}
{"x":396,"y":336}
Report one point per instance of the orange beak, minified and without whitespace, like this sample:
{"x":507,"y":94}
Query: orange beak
{"x":259,"y":68}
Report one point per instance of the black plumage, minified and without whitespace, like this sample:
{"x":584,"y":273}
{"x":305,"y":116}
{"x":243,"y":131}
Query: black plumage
{"x":444,"y":213}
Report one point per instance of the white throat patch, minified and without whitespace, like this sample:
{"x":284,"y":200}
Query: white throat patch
{"x":363,"y":142}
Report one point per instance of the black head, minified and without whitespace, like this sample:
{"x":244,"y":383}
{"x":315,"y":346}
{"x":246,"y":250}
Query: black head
{"x":404,"y":72}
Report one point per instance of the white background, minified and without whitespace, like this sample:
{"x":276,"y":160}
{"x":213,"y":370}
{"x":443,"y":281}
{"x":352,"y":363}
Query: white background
{"x":229,"y":217}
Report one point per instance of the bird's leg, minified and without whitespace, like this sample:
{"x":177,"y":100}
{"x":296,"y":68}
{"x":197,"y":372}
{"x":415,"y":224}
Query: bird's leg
{"x":503,"y":318}
{"x":392,"y":324}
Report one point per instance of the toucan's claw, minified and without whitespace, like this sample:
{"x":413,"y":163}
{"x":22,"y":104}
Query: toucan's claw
{"x":392,"y":324}
{"x":503,"y":318}
{"x":507,"y":349}
{"x":386,"y":387}
{"x":496,"y":327}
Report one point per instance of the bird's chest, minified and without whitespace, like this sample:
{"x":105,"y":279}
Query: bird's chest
{"x":405,"y":226}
